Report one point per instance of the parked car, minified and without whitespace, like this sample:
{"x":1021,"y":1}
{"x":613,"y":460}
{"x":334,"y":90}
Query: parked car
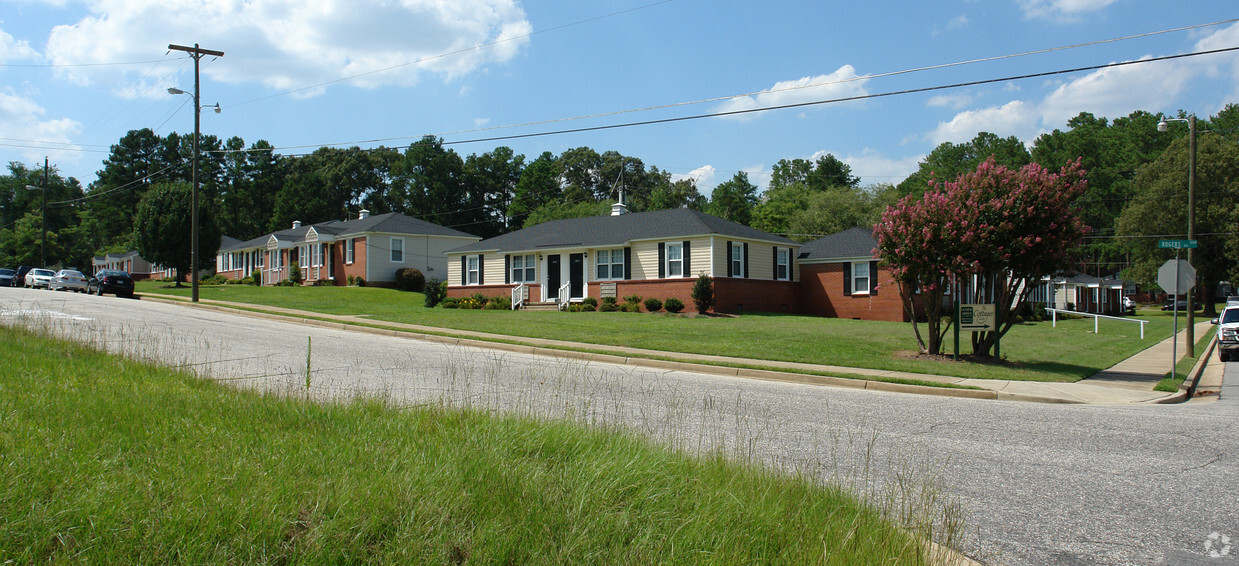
{"x":1228,"y":332}
{"x":1129,"y":304}
{"x":1169,"y":305}
{"x":6,"y":277}
{"x":69,"y":279}
{"x":112,"y":281}
{"x":39,"y":277}
{"x":19,"y":278}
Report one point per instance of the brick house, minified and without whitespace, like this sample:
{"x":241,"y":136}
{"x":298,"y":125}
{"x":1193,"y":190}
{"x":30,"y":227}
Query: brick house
{"x":369,"y":247}
{"x":840,"y":276}
{"x":655,"y":254}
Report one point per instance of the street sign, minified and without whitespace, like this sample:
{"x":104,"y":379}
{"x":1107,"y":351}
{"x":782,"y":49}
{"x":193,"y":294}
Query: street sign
{"x":978,"y":318}
{"x":1176,"y":244}
{"x":1176,"y":276}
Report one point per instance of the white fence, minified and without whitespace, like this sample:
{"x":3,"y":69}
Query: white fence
{"x":1054,"y":318}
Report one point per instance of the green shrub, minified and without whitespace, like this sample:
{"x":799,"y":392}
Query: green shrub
{"x":590,"y":301}
{"x":653,"y":305}
{"x":216,"y":279}
{"x":632,"y":303}
{"x":703,"y":293}
{"x":609,"y":305}
{"x":450,"y":303}
{"x":499,"y":304}
{"x":294,"y":271}
{"x":435,"y":293}
{"x":673,"y":305}
{"x":287,"y":283}
{"x":359,"y":281}
{"x":247,"y":281}
{"x":256,"y":277}
{"x":409,"y":279}
{"x":324,"y":283}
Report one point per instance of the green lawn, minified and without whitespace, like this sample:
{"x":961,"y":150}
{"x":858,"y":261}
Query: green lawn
{"x":1033,"y":351}
{"x":109,"y":461}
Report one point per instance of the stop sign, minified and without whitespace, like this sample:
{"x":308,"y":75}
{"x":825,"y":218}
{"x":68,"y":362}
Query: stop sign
{"x":1176,"y":276}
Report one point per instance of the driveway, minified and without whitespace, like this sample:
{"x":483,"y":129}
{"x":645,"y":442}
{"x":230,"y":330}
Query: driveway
{"x":1039,"y":484}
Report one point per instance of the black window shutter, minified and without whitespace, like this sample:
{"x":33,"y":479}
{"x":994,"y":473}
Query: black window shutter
{"x":627,"y":263}
{"x":873,"y":278}
{"x":688,"y":268}
{"x":507,"y":269}
{"x":481,"y":270}
{"x":729,"y":273}
{"x":746,"y":261}
{"x":774,"y":271}
{"x":662,"y":260}
{"x":847,"y":279}
{"x":464,"y":270}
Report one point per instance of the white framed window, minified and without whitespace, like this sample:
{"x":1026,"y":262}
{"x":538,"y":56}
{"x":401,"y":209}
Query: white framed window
{"x":782,"y":270}
{"x":675,"y":260}
{"x":737,"y":260}
{"x":349,"y":249}
{"x":609,"y":264}
{"x":472,"y":276}
{"x":522,"y":268}
{"x":397,"y":250}
{"x":860,"y":278}
{"x":316,"y":256}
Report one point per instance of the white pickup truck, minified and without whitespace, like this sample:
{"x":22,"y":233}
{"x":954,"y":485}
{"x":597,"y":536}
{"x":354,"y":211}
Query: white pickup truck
{"x":1228,"y":331}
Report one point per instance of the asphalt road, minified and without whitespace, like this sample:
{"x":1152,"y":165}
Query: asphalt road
{"x":1034,"y":483}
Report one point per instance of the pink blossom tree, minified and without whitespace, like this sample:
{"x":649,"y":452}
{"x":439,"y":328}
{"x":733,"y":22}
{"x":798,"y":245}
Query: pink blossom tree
{"x":996,"y":231}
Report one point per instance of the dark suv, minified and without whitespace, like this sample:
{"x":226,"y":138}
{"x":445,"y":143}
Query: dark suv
{"x":19,"y":277}
{"x":111,"y":281}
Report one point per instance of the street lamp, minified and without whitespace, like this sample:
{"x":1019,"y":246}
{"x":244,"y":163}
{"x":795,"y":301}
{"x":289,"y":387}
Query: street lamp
{"x":1163,"y":126}
{"x":197,"y":53}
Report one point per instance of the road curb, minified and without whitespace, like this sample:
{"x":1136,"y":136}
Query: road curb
{"x":650,"y":363}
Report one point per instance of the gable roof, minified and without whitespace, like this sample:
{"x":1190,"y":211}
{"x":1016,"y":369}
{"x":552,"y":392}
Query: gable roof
{"x":851,"y":243}
{"x":391,"y":222}
{"x":602,"y":231}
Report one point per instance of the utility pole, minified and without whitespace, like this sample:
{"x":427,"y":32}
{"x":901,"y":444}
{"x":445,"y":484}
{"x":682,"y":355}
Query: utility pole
{"x":197,"y":53}
{"x":1191,"y":230}
{"x":43,"y":242}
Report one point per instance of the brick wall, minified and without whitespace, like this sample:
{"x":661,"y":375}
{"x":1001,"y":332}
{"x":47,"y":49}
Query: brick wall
{"x":358,"y":267}
{"x":821,"y":294}
{"x":661,"y":289}
{"x":755,"y":295}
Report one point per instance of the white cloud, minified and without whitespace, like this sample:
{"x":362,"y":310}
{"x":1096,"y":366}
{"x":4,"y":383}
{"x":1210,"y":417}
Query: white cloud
{"x":287,"y":44}
{"x":1065,"y":11}
{"x":480,"y":122}
{"x":703,"y":176}
{"x":956,"y":101}
{"x":843,"y":83}
{"x":1015,"y":118}
{"x":872,"y":167}
{"x":1216,"y":65}
{"x":759,"y":175}
{"x":23,"y":119}
{"x":958,"y":22}
{"x":13,"y":50}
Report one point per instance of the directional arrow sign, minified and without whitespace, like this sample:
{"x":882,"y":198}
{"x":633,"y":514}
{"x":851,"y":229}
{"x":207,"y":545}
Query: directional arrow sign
{"x":1176,"y":276}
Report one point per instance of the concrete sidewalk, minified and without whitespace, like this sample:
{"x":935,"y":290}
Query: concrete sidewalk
{"x":1130,"y":381}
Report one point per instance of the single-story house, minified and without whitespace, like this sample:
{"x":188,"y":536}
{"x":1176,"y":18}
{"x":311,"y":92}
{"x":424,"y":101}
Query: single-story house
{"x":1080,"y":292}
{"x":655,"y":254}
{"x":130,"y":262}
{"x":370,"y":247}
{"x":840,"y":276}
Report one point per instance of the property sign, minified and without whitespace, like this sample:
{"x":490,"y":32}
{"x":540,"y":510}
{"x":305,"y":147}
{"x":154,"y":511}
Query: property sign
{"x":978,"y":318}
{"x":1176,"y":244}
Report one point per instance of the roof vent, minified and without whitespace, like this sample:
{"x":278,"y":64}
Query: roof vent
{"x":364,"y":214}
{"x":296,"y":224}
{"x":619,"y":208}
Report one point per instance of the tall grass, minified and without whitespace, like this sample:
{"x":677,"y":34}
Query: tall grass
{"x":108,"y":459}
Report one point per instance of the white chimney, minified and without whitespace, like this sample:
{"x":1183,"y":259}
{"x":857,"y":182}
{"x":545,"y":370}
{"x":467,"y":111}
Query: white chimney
{"x":619,"y":207}
{"x":364,"y":214}
{"x":296,"y":224}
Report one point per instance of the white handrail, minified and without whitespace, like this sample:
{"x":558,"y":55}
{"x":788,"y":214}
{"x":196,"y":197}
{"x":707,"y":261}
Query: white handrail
{"x":1054,"y":319}
{"x":518,"y":296}
{"x":563,"y":298}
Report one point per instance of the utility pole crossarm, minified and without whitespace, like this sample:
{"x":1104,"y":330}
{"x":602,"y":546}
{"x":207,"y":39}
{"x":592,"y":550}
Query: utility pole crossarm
{"x":195,"y":50}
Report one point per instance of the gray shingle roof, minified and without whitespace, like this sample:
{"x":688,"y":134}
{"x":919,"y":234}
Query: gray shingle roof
{"x":601,"y":231}
{"x":850,"y":243}
{"x":391,"y":222}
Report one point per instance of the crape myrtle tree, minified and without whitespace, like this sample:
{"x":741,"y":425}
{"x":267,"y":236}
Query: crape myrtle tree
{"x":999,"y":230}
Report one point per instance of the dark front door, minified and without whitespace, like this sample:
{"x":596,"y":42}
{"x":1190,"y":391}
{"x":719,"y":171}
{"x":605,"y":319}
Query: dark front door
{"x":576,"y":274}
{"x":552,"y":276}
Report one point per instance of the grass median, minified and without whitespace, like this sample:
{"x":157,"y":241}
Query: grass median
{"x":1035,"y":351}
{"x":107,"y":461}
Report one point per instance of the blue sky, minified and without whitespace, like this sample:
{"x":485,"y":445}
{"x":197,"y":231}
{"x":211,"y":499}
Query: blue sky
{"x":75,"y":76}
